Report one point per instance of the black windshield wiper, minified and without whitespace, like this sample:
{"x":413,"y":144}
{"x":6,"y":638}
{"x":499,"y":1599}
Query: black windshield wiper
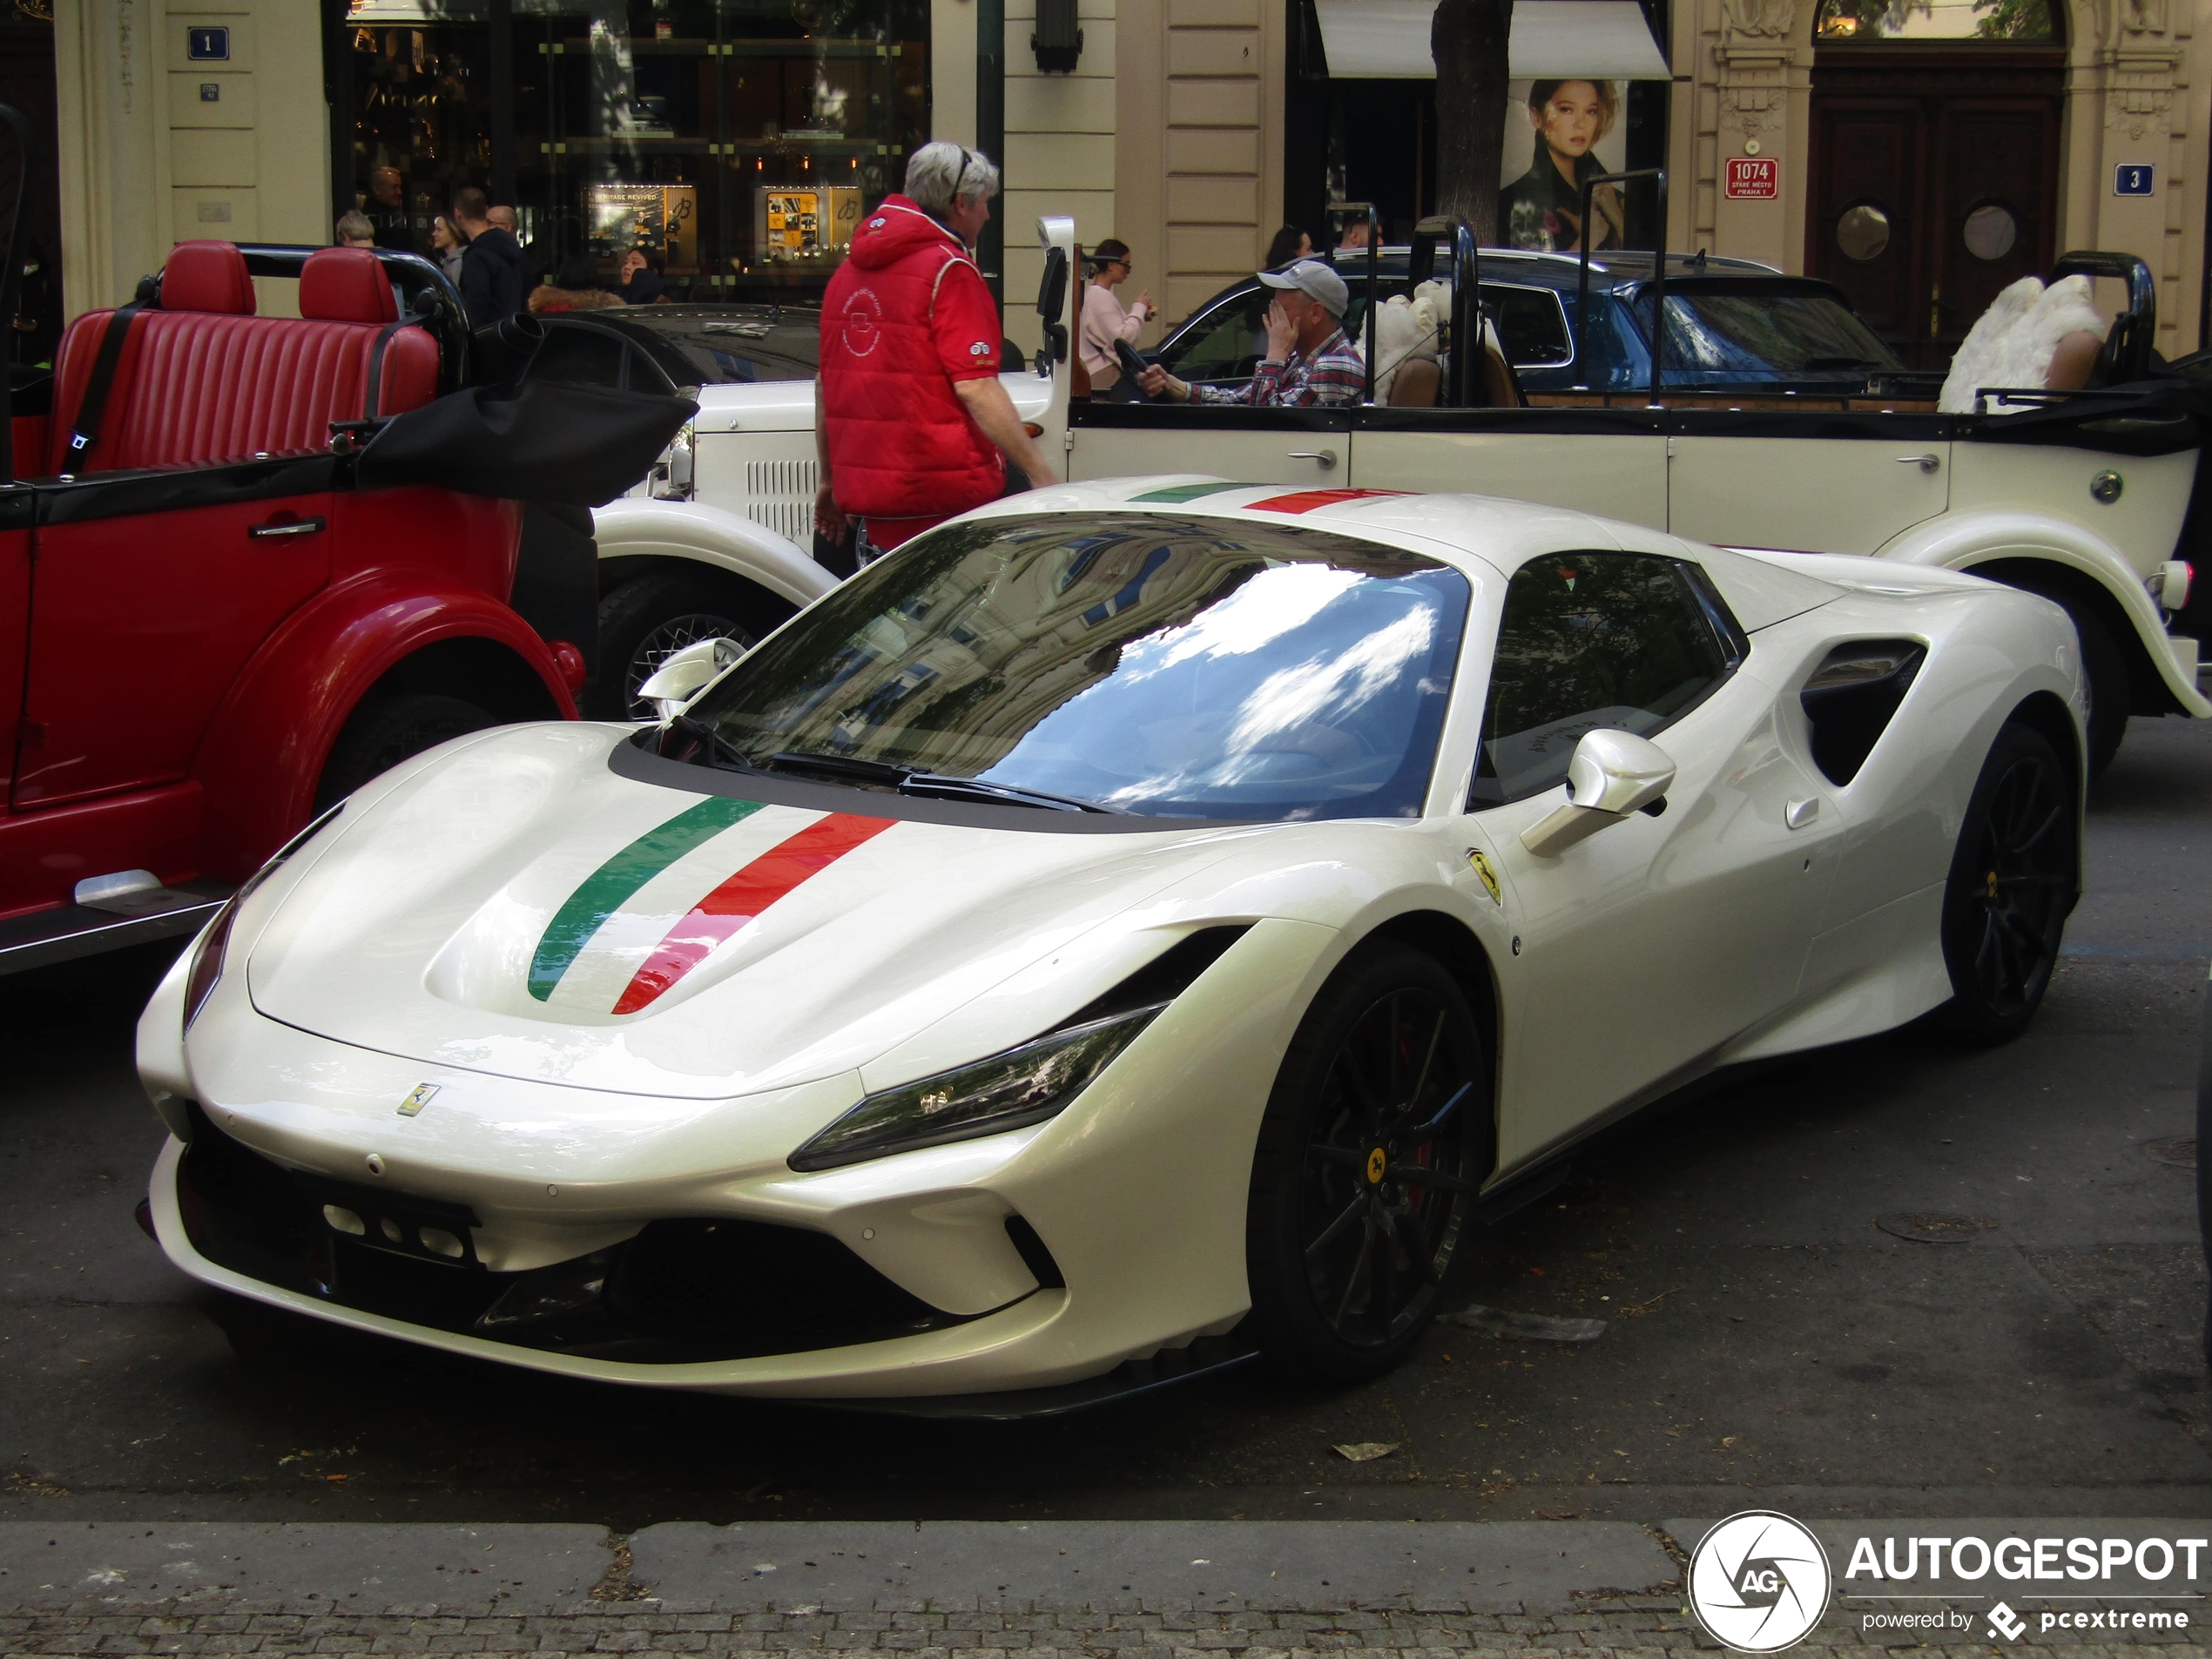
{"x":942,"y":786}
{"x":853,"y":766}
{"x":1828,"y":365}
{"x":938,"y":784}
{"x":715,"y":742}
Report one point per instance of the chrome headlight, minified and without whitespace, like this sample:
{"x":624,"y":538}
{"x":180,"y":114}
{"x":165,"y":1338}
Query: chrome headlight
{"x":1023,"y":1085}
{"x":672,"y":474}
{"x":215,"y":938}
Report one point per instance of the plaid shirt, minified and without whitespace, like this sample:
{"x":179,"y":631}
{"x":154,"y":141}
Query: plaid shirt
{"x":1333,"y":375}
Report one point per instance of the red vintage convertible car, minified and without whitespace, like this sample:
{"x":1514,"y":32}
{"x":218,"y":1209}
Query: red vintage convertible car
{"x":220,"y":608}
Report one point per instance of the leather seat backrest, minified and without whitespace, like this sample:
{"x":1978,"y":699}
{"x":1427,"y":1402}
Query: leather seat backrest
{"x":202,"y":379}
{"x":1415,"y":384}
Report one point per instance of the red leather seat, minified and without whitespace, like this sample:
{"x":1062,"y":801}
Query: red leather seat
{"x":204,"y":379}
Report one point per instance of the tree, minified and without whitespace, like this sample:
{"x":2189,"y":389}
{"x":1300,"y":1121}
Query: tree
{"x":1468,"y":40}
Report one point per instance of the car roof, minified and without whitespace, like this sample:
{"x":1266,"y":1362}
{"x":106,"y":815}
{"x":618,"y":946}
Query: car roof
{"x":1485,"y":536}
{"x":716,"y":343}
{"x":1560,"y":272}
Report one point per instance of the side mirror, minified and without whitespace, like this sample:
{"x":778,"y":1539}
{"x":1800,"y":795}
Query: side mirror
{"x":1052,"y":302}
{"x":683,"y":674}
{"x":1613,"y":774}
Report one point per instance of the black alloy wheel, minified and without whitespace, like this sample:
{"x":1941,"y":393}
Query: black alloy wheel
{"x":2013,"y":884}
{"x":1376,"y":1137}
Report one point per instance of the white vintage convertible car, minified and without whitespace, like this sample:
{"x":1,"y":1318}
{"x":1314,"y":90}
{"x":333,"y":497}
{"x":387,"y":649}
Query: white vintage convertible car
{"x":2088,"y":501}
{"x":1136,"y":927}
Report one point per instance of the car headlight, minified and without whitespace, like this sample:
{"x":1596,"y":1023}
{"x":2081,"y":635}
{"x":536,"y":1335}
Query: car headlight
{"x":1023,"y":1085}
{"x":215,"y":938}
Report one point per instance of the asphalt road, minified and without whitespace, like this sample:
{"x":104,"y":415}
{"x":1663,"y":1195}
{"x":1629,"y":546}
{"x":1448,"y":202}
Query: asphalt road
{"x":1768,"y":1344}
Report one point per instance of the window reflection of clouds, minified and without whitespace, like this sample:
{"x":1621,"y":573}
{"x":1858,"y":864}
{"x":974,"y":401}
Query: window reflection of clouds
{"x":1292,"y":697}
{"x":1251,"y":619}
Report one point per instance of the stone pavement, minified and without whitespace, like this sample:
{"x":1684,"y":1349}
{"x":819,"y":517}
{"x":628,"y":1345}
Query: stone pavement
{"x":913,"y":1591}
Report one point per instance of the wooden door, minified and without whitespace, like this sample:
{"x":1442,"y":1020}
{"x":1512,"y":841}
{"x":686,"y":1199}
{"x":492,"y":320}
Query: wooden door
{"x":1934,"y":185}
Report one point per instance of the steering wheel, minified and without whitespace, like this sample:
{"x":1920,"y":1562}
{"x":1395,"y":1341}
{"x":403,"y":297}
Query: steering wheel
{"x":1132,"y":366}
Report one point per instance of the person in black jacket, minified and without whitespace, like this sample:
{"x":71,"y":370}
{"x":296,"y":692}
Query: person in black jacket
{"x":492,"y":283}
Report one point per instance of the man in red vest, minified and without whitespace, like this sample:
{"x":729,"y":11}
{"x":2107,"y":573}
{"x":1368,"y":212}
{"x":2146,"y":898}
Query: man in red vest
{"x":910,"y":421}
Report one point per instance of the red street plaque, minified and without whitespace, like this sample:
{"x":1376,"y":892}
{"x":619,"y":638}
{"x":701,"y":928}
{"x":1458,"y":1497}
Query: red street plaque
{"x":1752,"y":178}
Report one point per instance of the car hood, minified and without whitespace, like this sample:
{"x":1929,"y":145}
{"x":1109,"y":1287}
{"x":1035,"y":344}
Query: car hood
{"x":521,"y":908}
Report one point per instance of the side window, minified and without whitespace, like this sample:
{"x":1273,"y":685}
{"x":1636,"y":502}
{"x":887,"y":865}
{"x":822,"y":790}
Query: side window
{"x":1531,"y":326}
{"x":580,"y":357}
{"x":1626,"y":641}
{"x":1227,"y":343}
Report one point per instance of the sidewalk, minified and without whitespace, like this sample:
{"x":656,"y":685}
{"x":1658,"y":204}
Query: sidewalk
{"x":912,"y":1590}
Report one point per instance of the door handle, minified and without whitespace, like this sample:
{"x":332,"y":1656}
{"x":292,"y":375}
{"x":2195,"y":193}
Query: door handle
{"x":1926,"y":463}
{"x":289,"y":527}
{"x":1324,"y":458}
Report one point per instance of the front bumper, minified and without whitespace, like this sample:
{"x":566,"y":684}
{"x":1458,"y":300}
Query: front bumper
{"x":1136,"y":1195}
{"x":968,"y":1355}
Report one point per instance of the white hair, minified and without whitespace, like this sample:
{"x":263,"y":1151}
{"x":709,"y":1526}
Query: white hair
{"x":936,"y":169}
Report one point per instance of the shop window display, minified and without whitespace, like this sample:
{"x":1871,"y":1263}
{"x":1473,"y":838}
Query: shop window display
{"x":734,"y":142}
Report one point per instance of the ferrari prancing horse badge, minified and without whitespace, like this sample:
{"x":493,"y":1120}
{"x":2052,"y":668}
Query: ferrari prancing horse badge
{"x":1489,"y":876}
{"x":417,"y":1098}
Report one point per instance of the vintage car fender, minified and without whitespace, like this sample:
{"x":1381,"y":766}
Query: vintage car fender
{"x":265,"y":749}
{"x":681,"y":529}
{"x":1960,"y":541}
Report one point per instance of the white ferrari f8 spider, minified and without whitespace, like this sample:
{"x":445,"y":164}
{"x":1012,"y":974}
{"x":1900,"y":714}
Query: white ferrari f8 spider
{"x":1134,"y":926}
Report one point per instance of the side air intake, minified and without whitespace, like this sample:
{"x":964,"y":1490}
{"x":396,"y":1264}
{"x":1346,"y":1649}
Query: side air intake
{"x":1850,"y":697}
{"x":1165,"y":977}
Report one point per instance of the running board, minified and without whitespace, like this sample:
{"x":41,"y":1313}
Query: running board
{"x":1162,"y":1370}
{"x":69,"y":931}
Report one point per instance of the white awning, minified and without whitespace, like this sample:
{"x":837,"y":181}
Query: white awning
{"x":1586,"y":39}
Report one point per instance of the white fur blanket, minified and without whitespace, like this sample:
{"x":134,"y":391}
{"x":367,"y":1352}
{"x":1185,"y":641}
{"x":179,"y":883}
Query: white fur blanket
{"x":2011,"y":343}
{"x":1405,"y":329}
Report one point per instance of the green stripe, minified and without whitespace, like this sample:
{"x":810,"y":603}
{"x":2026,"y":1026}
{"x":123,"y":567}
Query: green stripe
{"x":609,"y":887}
{"x":1187,"y":492}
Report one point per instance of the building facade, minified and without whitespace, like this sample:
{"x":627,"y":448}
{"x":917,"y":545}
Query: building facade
{"x":1919,"y":154}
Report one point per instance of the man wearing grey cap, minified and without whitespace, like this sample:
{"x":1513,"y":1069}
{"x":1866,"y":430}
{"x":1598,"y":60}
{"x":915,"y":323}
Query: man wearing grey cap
{"x":1309,"y":363}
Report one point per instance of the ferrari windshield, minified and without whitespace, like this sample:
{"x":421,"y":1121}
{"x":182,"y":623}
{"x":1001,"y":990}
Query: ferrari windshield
{"x":1134,"y":662}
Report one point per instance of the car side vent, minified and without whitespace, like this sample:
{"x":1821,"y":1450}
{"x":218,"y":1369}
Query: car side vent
{"x":1165,"y":977}
{"x":1035,"y":1256}
{"x":1850,"y":697}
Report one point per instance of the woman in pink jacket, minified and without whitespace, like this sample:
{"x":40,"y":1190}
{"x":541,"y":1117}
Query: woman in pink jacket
{"x":1104,"y":321}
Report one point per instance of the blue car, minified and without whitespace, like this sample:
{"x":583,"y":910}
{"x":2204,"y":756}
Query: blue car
{"x":1730,"y":323}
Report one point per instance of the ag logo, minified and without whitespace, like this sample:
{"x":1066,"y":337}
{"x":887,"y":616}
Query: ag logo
{"x":1759,"y":1581}
{"x":863,"y":322}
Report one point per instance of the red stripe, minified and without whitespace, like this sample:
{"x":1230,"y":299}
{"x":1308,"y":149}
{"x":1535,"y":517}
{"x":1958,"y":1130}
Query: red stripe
{"x":743,"y":896}
{"x":1305,"y":501}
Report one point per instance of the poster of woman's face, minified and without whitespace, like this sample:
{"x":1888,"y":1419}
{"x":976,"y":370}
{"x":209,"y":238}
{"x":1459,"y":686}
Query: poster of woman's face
{"x":1558,"y":133}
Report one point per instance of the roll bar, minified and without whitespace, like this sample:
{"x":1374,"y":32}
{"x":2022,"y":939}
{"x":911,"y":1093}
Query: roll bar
{"x":2138,"y":324}
{"x":1466,"y":291}
{"x":423,"y":289}
{"x":1337,"y":214}
{"x":1658,"y":270}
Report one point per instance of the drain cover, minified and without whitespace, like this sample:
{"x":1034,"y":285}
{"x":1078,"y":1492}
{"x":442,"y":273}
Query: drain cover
{"x":1929,"y":1227}
{"x":2181,"y":1152}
